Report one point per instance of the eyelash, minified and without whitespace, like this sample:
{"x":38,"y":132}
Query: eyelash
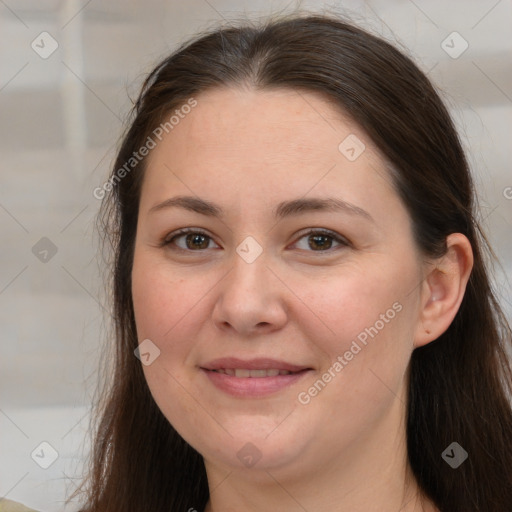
{"x":197,"y":231}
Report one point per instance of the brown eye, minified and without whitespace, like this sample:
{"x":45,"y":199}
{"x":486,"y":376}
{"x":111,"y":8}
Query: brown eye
{"x":322,"y":241}
{"x":194,"y":240}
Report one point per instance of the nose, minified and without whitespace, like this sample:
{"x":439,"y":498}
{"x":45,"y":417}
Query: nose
{"x":250,"y":299}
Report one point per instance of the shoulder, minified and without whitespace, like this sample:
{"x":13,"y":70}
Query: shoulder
{"x":13,"y":506}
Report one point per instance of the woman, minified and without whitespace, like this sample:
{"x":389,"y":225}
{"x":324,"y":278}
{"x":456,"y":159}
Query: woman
{"x":303,"y":317}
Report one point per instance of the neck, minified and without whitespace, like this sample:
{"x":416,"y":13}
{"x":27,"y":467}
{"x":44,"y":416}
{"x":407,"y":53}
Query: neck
{"x":388,"y":495}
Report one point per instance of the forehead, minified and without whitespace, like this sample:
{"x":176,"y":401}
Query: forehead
{"x":269,"y":120}
{"x":233,"y":128}
{"x":262,"y":147}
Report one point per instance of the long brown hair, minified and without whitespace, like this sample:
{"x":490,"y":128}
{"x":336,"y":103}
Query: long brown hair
{"x":460,"y":385}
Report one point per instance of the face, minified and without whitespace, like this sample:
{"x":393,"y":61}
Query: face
{"x":329,"y":294}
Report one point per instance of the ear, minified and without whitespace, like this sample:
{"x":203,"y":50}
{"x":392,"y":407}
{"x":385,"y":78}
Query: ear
{"x":443,"y":289}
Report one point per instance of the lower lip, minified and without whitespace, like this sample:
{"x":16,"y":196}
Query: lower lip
{"x":252,"y":386}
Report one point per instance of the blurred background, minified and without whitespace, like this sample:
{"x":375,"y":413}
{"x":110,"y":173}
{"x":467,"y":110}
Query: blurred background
{"x":67,"y":71}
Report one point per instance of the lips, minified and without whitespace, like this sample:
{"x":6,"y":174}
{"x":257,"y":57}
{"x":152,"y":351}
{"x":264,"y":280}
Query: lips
{"x":244,"y":373}
{"x":260,"y":367}
{"x":256,"y":378}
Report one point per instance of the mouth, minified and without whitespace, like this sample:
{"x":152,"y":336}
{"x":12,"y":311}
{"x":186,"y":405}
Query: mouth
{"x":255,"y":374}
{"x":254,"y":378}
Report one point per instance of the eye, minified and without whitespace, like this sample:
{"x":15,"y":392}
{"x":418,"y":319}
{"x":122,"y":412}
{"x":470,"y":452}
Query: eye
{"x":319,"y":240}
{"x":194,"y":239}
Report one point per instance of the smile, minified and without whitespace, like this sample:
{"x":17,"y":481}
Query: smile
{"x":254,"y":383}
{"x":244,"y":373}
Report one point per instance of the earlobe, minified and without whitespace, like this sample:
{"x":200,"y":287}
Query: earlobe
{"x":443,"y":289}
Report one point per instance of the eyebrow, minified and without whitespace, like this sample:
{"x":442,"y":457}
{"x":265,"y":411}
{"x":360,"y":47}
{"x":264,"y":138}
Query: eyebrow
{"x":282,"y":210}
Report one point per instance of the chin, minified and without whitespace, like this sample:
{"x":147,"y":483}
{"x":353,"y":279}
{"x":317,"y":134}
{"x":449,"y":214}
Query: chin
{"x":254,"y":446}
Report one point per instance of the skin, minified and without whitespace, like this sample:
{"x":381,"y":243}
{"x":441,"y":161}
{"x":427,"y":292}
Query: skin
{"x":246,"y":151}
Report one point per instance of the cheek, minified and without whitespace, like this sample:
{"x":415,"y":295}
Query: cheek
{"x":151,"y":300}
{"x":347,"y":304}
{"x":164,"y":313}
{"x":162,"y":300}
{"x":366,"y":321}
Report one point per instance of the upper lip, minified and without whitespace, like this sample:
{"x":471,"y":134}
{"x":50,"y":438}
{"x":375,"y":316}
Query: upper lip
{"x":252,"y":364}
